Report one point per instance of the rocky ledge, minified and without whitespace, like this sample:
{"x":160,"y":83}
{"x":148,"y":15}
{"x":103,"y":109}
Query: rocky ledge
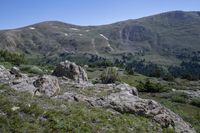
{"x":122,"y":97}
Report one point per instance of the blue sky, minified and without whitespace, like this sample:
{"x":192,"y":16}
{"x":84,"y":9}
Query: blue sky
{"x":18,"y":13}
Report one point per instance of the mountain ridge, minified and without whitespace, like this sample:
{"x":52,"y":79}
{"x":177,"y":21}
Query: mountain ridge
{"x":166,"y":34}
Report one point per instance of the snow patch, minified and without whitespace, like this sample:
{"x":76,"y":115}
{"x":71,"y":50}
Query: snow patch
{"x":65,"y":34}
{"x":31,"y":28}
{"x":108,"y":45}
{"x":103,"y":36}
{"x":87,"y":30}
{"x":75,"y":29}
{"x":80,"y":34}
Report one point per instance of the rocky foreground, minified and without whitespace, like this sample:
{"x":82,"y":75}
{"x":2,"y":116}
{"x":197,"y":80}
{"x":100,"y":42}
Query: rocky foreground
{"x":73,"y":80}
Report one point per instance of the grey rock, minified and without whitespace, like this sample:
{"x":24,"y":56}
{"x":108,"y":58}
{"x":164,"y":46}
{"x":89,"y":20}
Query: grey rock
{"x":43,"y":85}
{"x":124,"y":102}
{"x":71,"y":71}
{"x":24,"y":83}
{"x":15,"y":71}
{"x":5,"y":75}
{"x":47,"y":85}
{"x":126,"y":87}
{"x":190,"y":93}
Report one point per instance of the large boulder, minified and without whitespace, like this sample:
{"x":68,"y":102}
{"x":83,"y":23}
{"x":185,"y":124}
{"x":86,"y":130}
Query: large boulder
{"x":71,"y":71}
{"x":15,"y":71}
{"x":24,"y":83}
{"x":5,"y":75}
{"x":43,"y":85}
{"x":47,"y":85}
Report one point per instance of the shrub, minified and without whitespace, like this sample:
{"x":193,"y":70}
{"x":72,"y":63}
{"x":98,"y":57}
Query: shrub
{"x":14,"y":58}
{"x":178,"y":99}
{"x":168,"y":77}
{"x":109,"y":75}
{"x":31,"y":69}
{"x":168,"y":130}
{"x":149,"y":86}
{"x":195,"y":101}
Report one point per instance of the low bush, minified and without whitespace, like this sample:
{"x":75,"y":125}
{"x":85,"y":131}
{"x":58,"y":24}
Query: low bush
{"x":178,"y":99}
{"x":110,"y":75}
{"x":169,"y":130}
{"x":195,"y":101}
{"x":149,"y":86}
{"x":31,"y":69}
{"x":11,"y":57}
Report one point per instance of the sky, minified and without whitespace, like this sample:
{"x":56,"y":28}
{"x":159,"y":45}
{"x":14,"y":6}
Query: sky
{"x":19,"y":13}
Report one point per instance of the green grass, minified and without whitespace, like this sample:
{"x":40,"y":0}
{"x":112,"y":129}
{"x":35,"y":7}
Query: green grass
{"x":41,"y":114}
{"x":6,"y":65}
{"x":195,"y":101}
{"x":133,"y":80}
{"x":31,"y":69}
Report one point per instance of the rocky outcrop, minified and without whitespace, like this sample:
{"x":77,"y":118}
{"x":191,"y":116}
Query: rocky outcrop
{"x":47,"y":85}
{"x":190,"y":93}
{"x":43,"y":85}
{"x":15,"y":71}
{"x":119,"y":97}
{"x":5,"y":75}
{"x":125,"y":102}
{"x":128,"y":88}
{"x":24,"y":83}
{"x":71,"y":71}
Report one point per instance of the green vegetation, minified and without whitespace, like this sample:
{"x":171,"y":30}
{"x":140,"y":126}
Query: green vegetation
{"x":109,"y":75}
{"x":40,"y":114}
{"x":195,"y":101}
{"x":31,"y":69}
{"x":179,"y":97}
{"x":149,"y":86}
{"x":169,"y":130}
{"x":132,"y":80}
{"x":13,"y":58}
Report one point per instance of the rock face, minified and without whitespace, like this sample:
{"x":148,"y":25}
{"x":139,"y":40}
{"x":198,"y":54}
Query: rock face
{"x":47,"y":85}
{"x":71,"y":71}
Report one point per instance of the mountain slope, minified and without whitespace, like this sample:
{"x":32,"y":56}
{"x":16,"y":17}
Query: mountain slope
{"x":166,"y":36}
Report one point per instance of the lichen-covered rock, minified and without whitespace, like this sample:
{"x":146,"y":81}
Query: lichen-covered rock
{"x":5,"y":75}
{"x":126,"y":87}
{"x":126,"y":103}
{"x":71,"y":71}
{"x":47,"y":85}
{"x":43,"y":85}
{"x":24,"y":83}
{"x":15,"y":71}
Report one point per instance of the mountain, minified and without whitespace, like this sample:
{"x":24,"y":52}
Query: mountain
{"x":165,"y":38}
